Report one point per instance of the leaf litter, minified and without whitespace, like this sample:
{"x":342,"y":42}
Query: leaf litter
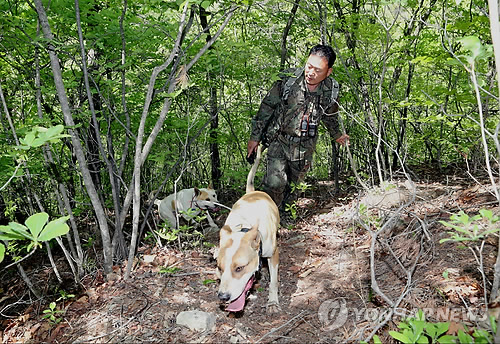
{"x":324,"y":260}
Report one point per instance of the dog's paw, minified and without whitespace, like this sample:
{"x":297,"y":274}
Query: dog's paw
{"x":273,"y":307}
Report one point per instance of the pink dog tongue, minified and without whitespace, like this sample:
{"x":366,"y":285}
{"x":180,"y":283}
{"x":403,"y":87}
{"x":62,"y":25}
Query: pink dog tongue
{"x":238,"y":304}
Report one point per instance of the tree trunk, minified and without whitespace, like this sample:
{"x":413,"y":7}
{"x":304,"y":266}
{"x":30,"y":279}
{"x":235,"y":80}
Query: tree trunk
{"x":286,"y":30}
{"x":78,"y":149}
{"x":214,"y":112}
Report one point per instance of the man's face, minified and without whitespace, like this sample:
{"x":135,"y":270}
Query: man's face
{"x":316,"y":69}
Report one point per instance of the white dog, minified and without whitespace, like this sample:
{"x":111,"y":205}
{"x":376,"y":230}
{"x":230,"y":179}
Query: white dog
{"x":248,"y":235}
{"x":188,"y":203}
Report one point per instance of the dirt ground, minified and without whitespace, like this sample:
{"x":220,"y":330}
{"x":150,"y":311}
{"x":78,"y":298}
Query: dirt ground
{"x":330,"y":289}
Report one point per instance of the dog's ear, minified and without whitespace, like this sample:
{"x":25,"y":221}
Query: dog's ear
{"x":224,"y":232}
{"x":210,"y":186}
{"x":255,"y":240}
{"x":197,"y":192}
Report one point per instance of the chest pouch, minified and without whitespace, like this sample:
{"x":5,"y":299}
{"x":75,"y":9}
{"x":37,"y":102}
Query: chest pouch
{"x":309,"y":122}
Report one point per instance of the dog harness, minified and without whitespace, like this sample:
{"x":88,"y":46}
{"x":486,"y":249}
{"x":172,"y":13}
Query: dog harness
{"x":194,"y":201}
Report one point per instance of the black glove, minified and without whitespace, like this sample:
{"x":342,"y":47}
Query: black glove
{"x":251,"y":157}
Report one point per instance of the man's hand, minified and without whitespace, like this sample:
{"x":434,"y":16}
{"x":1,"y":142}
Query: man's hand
{"x":343,"y":140}
{"x":252,"y":147}
{"x":252,"y":151}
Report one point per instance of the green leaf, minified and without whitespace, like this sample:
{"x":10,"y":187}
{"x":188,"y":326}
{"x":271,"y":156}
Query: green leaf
{"x":36,"y":222}
{"x":464,"y":337}
{"x":54,"y":229}
{"x":54,"y":131}
{"x":442,"y":327}
{"x":472,"y":44}
{"x":493,"y":323}
{"x":39,"y":141}
{"x":28,"y":139}
{"x":376,"y":340}
{"x":6,"y":233}
{"x":431,"y":329}
{"x":447,"y":339}
{"x":486,"y":213}
{"x":174,"y":94}
{"x":20,"y":230}
{"x":423,"y":340}
{"x":399,"y":336}
{"x":205,"y":4}
{"x":2,"y":252}
{"x":457,"y":228}
{"x":418,"y":328}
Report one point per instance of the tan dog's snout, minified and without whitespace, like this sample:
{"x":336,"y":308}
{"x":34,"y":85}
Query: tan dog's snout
{"x":237,"y":262}
{"x":225,"y":297}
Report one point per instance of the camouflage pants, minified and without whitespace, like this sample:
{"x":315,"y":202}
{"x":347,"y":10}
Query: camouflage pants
{"x":287,"y":162}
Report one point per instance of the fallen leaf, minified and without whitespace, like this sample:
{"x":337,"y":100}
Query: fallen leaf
{"x":454,"y":328}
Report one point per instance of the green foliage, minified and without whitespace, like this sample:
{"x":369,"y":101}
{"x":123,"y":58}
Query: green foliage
{"x":169,"y":234}
{"x":368,"y":218}
{"x":301,"y":187}
{"x":209,"y":281}
{"x":292,"y":209}
{"x":37,"y":230}
{"x":52,"y":314}
{"x":39,"y":136}
{"x":64,"y":295}
{"x":412,"y":330}
{"x":169,"y":270}
{"x":473,"y":228}
{"x":185,"y":231}
{"x":2,"y":252}
{"x":476,"y":51}
{"x":418,"y":330}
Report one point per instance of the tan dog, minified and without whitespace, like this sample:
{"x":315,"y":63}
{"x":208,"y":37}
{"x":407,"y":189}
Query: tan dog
{"x":248,"y":234}
{"x":187,"y":201}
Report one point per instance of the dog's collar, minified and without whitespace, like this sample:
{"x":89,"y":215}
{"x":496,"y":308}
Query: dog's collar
{"x":194,"y":202}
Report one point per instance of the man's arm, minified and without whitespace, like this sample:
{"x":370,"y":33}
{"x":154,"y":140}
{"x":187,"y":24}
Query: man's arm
{"x":269,"y":104}
{"x":331,"y":121}
{"x":261,"y":120}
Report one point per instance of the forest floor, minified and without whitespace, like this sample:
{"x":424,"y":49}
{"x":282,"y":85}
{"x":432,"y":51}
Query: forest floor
{"x":326,"y":291}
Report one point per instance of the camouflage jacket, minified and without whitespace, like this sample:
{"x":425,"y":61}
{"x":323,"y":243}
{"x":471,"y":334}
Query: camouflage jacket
{"x":282,"y":115}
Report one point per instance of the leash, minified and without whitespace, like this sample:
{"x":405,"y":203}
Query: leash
{"x":260,"y":256}
{"x":222,"y":205}
{"x":194,"y":201}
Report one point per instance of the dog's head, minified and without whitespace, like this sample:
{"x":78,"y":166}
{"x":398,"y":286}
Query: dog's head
{"x":237,"y":261}
{"x":205,"y":198}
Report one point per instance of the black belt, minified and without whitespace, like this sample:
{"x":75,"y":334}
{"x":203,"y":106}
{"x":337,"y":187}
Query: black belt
{"x":294,"y":138}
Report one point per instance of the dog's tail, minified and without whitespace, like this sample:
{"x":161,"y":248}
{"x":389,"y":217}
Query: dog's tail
{"x":253,"y":170}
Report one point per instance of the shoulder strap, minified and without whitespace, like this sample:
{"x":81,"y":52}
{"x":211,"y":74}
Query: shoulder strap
{"x":331,"y":95}
{"x":291,"y":80}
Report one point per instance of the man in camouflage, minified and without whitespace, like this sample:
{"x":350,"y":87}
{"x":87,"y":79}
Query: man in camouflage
{"x":288,"y":120}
